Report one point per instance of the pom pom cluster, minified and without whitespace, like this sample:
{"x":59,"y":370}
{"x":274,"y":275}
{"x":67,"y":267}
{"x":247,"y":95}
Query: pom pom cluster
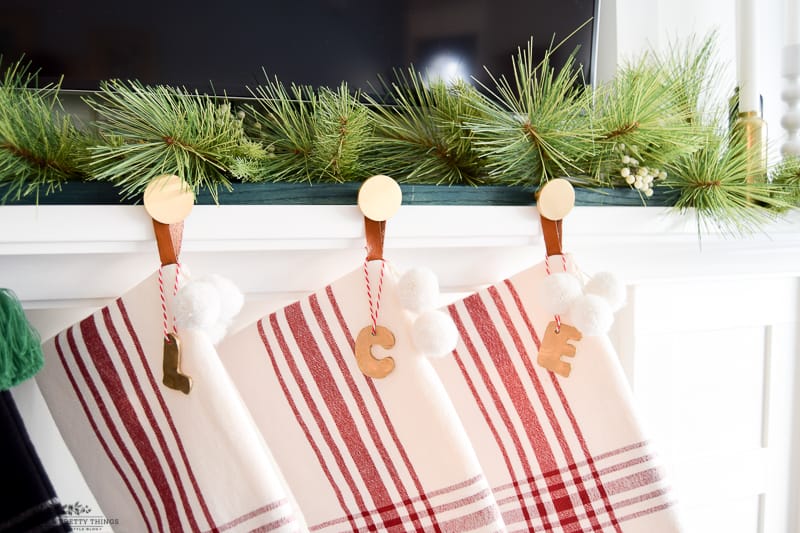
{"x":590,"y":308}
{"x":207,"y":303}
{"x":433,"y":332}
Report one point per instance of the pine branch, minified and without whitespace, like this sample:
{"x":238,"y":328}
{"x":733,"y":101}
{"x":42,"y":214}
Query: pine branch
{"x":342,"y":130}
{"x":423,"y":137}
{"x":149,"y":131}
{"x":283,"y":121}
{"x":535,"y":127}
{"x":310,"y":136}
{"x":40,"y":147}
{"x":713,"y":181}
{"x":636,"y":115}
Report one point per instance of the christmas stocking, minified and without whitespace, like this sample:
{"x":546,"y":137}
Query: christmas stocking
{"x":355,"y":416}
{"x":153,"y":420}
{"x":29,"y":503}
{"x":559,"y":443}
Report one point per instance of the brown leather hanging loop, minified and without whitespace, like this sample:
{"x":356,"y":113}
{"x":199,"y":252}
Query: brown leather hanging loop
{"x":551,"y":230}
{"x":379,"y":198}
{"x":168,"y":239}
{"x":375,"y":232}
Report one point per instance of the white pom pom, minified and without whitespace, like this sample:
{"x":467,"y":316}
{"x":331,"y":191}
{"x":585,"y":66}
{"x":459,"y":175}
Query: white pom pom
{"x":197,"y":305}
{"x":591,"y":314}
{"x":434,"y":333}
{"x":607,"y":286}
{"x":216,"y":332}
{"x":231,"y":298}
{"x":418,"y":290}
{"x":558,"y":291}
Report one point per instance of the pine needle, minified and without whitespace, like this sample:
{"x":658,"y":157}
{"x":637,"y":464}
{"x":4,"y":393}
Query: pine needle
{"x":150,"y":131}
{"x":422,"y":135}
{"x":534,"y":127}
{"x":692,"y":74}
{"x":40,"y":147}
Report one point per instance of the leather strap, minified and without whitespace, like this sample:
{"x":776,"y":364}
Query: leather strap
{"x":375,"y":232}
{"x":168,"y":239}
{"x":551,"y":230}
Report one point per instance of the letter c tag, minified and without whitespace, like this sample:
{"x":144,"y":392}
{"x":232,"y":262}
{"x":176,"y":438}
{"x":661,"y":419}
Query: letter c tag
{"x":368,"y":364}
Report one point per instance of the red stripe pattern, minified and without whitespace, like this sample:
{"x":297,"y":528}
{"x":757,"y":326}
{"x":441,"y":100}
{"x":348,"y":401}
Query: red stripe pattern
{"x":359,"y":454}
{"x":102,"y":383}
{"x":560,"y":454}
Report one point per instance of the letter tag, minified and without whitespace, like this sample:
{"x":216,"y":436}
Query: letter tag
{"x":555,"y":345}
{"x":173,"y":378}
{"x":368,"y":364}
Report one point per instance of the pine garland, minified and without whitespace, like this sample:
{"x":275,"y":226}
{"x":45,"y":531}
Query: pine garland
{"x":653,"y":125}
{"x":40,"y":147}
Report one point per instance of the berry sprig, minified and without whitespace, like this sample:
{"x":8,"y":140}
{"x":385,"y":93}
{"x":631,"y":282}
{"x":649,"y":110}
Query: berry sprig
{"x":640,"y":177}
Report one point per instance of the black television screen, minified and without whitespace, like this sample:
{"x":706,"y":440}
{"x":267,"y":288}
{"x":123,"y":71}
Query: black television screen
{"x":221,"y":47}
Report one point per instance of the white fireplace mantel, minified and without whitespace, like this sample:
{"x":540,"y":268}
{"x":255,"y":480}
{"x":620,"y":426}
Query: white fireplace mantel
{"x":62,"y":255}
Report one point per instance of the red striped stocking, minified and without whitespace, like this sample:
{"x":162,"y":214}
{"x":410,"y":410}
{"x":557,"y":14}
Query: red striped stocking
{"x":561,"y":454}
{"x":359,"y":453}
{"x":155,"y":458}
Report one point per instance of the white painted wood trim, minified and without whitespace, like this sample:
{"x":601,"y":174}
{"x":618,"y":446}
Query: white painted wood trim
{"x":635,"y":233}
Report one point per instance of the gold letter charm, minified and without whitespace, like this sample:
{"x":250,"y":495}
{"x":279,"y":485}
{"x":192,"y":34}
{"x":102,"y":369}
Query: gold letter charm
{"x":367,"y":363}
{"x":172,"y":365}
{"x":555,"y":345}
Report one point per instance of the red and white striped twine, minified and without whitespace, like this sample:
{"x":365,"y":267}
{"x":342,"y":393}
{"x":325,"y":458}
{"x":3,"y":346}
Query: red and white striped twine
{"x":164,"y":313}
{"x":375,"y":308}
{"x":547,"y":269}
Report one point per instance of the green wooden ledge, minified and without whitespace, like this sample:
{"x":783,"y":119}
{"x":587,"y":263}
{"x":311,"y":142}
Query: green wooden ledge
{"x":97,"y":193}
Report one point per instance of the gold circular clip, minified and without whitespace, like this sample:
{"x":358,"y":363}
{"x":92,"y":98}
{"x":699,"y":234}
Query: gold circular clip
{"x":168,"y":199}
{"x":556,"y":199}
{"x":379,"y":198}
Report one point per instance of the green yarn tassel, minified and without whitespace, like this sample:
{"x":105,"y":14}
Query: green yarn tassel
{"x":20,"y":346}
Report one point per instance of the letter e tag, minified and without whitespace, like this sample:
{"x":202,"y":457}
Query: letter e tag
{"x":555,"y":345}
